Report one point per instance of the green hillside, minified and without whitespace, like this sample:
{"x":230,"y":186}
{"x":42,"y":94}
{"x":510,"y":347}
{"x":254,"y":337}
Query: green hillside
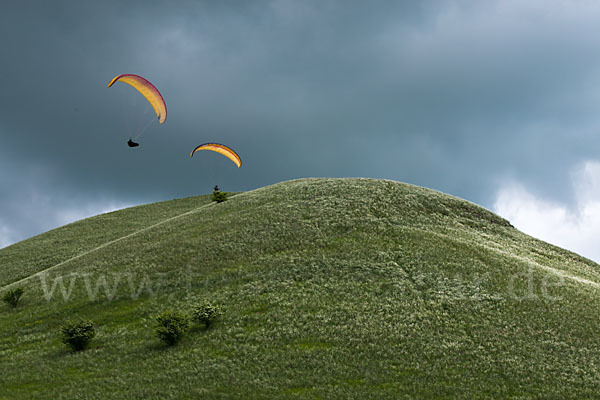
{"x":331,"y":288}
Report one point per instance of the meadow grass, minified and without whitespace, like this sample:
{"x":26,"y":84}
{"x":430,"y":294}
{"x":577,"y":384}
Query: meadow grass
{"x":328,"y":288}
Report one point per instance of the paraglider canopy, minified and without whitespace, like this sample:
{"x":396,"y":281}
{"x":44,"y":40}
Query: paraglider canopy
{"x":148,"y":90}
{"x":221,"y":149}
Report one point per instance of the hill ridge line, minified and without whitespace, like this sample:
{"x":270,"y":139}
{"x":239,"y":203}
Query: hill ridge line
{"x":106,"y":245}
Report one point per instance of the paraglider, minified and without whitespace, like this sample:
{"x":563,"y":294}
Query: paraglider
{"x":150,"y":93}
{"x":221,"y":149}
{"x":148,"y":90}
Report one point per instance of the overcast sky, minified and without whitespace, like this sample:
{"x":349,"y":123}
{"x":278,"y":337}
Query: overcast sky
{"x":497,"y":102}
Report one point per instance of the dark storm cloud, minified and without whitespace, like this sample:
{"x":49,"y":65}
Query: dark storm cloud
{"x":453,"y":95}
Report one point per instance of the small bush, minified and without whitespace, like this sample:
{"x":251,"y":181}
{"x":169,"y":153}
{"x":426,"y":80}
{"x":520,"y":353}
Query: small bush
{"x":78,"y":334}
{"x":219,"y":196}
{"x":171,"y":326}
{"x":206,"y":314}
{"x":13,"y":296}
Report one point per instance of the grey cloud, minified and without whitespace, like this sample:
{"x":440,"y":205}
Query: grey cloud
{"x":454,"y":95}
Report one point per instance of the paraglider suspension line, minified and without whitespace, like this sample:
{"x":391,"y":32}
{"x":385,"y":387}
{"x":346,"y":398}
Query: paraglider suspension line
{"x":144,"y":129}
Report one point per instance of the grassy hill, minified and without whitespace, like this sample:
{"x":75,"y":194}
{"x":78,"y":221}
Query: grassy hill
{"x":331,"y":288}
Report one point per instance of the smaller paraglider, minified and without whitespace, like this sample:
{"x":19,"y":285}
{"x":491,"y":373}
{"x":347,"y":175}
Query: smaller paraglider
{"x":221,"y":149}
{"x":131,"y":143}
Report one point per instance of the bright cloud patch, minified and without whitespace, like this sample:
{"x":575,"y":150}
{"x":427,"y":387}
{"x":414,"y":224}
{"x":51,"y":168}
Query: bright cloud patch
{"x":7,"y":236}
{"x":573,"y":227}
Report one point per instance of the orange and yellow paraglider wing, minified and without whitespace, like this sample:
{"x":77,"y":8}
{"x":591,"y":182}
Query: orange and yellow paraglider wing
{"x":148,"y":90}
{"x":221,"y":149}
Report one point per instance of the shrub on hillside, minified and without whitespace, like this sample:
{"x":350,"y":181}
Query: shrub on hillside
{"x":219,"y":196}
{"x":171,"y":326}
{"x":13,"y":296}
{"x":206,"y":314}
{"x":78,"y":334}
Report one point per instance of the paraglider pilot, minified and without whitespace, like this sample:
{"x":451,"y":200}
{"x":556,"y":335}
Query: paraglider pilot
{"x":131,"y":143}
